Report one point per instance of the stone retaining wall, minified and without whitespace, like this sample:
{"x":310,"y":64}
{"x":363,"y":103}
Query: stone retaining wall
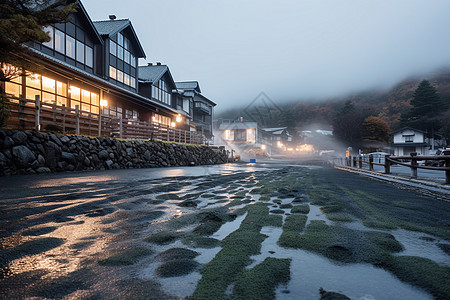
{"x":23,"y":152}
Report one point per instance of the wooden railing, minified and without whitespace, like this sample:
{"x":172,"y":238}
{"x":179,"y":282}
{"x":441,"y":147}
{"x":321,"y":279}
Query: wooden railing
{"x":388,"y":161}
{"x":29,"y":114}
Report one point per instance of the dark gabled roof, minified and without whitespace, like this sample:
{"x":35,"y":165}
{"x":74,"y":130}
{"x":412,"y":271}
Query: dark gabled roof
{"x":107,"y":28}
{"x":188,"y":85}
{"x":238,"y":125}
{"x":84,"y":13}
{"x":408,"y":128}
{"x":154,"y":73}
{"x":205,"y":99}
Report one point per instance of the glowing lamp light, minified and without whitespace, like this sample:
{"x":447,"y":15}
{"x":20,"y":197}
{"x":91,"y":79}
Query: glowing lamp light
{"x":179,"y":118}
{"x":263,"y":147}
{"x":103,"y":103}
{"x":172,"y":124}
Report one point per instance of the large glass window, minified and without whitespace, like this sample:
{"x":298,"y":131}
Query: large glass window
{"x":59,"y":41}
{"x":157,"y":118}
{"x":70,"y":46}
{"x":113,"y":48}
{"x":161,"y":92}
{"x":112,"y":72}
{"x":50,"y":30}
{"x":121,"y":50}
{"x":89,"y":100}
{"x":80,"y":52}
{"x":89,"y":56}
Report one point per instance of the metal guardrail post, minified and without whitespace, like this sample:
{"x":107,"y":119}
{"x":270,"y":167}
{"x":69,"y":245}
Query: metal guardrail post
{"x":413,"y":168}
{"x":387,"y":165}
{"x":77,"y":125}
{"x":360,"y":162}
{"x":371,"y":163}
{"x":37,"y":122}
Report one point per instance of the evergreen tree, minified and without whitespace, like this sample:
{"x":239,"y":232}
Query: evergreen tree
{"x":23,"y":21}
{"x":426,"y":111}
{"x":347,"y":125}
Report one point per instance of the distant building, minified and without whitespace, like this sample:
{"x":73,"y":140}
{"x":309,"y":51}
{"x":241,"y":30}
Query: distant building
{"x":408,"y":140}
{"x":196,"y":105}
{"x":245,"y":133}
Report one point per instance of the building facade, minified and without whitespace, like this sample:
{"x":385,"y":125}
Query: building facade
{"x":409,"y":140}
{"x":197,"y":106}
{"x":93,"y":67}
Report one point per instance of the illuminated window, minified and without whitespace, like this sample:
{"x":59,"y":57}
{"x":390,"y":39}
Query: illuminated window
{"x":61,"y":88}
{"x":75,"y":93}
{"x":33,"y":80}
{"x":119,"y":76}
{"x":86,"y":96}
{"x":48,"y":84}
{"x":228,"y":134}
{"x":112,"y":72}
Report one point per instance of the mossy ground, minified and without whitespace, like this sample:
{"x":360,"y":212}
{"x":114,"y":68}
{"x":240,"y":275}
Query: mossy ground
{"x":127,"y":256}
{"x":342,"y":197}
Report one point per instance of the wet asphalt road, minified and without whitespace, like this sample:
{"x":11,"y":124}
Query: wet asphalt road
{"x":55,"y":228}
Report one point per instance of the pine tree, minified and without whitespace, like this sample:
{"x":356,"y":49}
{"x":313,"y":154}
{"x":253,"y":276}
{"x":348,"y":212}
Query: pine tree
{"x":426,"y":101}
{"x":23,"y":21}
{"x":427,"y":109}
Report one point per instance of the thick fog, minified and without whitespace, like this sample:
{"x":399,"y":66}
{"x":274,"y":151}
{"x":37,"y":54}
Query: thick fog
{"x":291,"y":50}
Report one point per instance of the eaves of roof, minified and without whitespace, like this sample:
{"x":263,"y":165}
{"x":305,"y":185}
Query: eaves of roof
{"x":106,"y":84}
{"x":110,"y":27}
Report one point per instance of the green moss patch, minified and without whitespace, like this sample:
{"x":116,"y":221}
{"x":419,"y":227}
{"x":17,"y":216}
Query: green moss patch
{"x":175,"y":268}
{"x":237,"y":248}
{"x":286,"y":206}
{"x":197,"y":241}
{"x":127,"y":256}
{"x":277,"y":211}
{"x":261,"y":281}
{"x":177,"y":254}
{"x":300,"y":209}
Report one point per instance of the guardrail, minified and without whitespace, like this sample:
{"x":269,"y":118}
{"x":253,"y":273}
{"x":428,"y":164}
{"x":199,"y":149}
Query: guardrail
{"x":27,"y":114}
{"x":360,"y":161}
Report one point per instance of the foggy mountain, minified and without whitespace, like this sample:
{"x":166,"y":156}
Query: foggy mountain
{"x":388,"y":105}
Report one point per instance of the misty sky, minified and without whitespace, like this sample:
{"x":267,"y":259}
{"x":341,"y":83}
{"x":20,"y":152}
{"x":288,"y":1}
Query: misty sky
{"x":291,"y":50}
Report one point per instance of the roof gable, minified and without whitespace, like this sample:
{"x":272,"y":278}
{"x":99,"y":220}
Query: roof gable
{"x":154,"y":73}
{"x":108,"y":28}
{"x":408,"y":128}
{"x":188,"y":85}
{"x":81,"y":12}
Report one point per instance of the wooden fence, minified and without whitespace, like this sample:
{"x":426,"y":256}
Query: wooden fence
{"x":29,"y":114}
{"x":408,"y":161}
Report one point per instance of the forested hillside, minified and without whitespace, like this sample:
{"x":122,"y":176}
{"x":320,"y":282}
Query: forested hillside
{"x":387,"y":105}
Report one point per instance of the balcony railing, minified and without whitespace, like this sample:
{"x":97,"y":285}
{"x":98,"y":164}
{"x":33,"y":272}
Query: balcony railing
{"x":27,"y":114}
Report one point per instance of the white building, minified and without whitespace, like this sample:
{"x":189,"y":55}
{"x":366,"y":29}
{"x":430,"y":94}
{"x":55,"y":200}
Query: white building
{"x":408,"y":140}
